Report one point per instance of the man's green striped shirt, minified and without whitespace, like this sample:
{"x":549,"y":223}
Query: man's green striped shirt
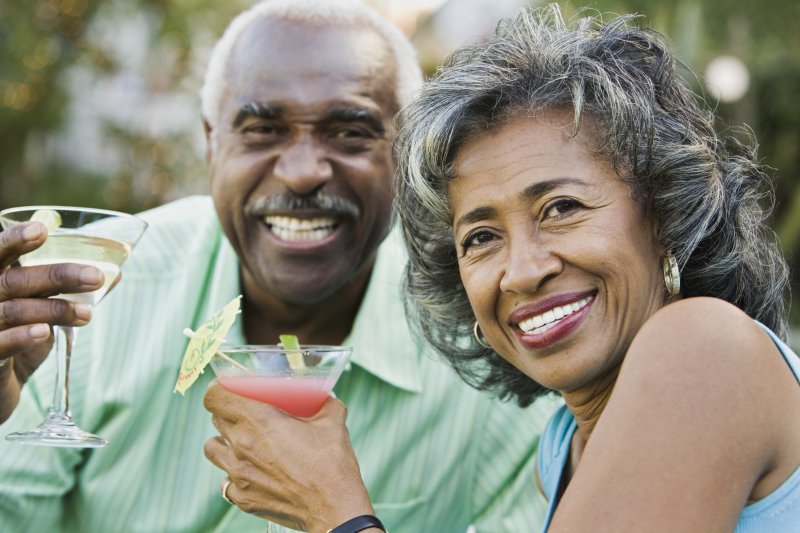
{"x":437,"y":456}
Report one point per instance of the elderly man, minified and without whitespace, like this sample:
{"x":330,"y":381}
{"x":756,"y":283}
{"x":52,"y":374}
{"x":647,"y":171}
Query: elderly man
{"x":298,"y":103}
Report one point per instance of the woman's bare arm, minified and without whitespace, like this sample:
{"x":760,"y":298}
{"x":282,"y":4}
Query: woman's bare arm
{"x":697,"y":425}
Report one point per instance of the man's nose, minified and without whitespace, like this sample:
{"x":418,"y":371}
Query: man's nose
{"x":303,"y":165}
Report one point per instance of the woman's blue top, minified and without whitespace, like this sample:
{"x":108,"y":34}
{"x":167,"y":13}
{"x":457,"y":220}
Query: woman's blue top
{"x":779,"y":512}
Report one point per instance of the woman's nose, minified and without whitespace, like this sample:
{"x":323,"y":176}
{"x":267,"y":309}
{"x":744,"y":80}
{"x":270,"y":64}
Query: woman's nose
{"x":528,"y":266}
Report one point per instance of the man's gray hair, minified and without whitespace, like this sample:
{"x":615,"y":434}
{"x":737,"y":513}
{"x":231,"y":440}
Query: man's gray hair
{"x":708,"y":194}
{"x":346,"y":13}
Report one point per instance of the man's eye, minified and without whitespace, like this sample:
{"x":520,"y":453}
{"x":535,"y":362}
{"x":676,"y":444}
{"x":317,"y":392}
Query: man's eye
{"x":561,"y":208}
{"x":262,"y":129}
{"x":347,"y":134}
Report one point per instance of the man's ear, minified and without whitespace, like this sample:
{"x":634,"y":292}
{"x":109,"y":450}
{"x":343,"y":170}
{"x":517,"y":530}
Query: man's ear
{"x":208,"y":134}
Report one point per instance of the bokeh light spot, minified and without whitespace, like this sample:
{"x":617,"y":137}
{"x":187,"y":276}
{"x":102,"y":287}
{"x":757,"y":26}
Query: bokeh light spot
{"x":727,"y":78}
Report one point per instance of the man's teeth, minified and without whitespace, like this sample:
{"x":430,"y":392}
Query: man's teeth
{"x":301,"y":229}
{"x":548,"y":319}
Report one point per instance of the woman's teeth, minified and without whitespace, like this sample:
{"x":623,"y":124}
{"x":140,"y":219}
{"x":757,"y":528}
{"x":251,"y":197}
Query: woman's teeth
{"x":548,"y":319}
{"x":300,"y":229}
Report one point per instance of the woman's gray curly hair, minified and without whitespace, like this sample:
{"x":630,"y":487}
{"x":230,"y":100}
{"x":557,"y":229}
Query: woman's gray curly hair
{"x":709,"y":196}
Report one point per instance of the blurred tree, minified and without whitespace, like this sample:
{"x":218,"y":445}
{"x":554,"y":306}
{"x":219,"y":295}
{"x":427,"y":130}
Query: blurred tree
{"x":98,"y":100}
{"x":38,"y":40}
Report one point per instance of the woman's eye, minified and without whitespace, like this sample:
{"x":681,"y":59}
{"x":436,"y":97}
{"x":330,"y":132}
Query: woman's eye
{"x":476,"y":238}
{"x":561,"y":208}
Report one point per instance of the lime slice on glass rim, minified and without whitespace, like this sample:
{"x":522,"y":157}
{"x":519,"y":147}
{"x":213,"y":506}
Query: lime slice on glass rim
{"x":51,"y":219}
{"x":295,"y":358}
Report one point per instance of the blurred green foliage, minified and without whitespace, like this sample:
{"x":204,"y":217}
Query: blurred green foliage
{"x":44,"y":42}
{"x":59,"y":56}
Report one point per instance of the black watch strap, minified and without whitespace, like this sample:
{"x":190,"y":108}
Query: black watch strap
{"x":358,"y":523}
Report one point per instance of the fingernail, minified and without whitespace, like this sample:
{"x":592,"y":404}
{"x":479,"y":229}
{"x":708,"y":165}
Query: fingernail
{"x":32,"y":232}
{"x":39,"y":331}
{"x":91,"y":276}
{"x":83,"y":311}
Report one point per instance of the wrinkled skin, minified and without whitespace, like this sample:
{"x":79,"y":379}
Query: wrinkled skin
{"x":27,"y":314}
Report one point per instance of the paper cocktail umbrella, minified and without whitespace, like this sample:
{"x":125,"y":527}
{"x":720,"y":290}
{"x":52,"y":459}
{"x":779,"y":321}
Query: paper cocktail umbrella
{"x":204,"y":342}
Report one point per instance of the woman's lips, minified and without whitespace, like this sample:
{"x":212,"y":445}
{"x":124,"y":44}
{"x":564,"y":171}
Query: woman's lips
{"x":548,"y":324}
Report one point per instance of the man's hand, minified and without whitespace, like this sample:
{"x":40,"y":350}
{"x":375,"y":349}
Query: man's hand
{"x":298,"y":472}
{"x":27,"y":314}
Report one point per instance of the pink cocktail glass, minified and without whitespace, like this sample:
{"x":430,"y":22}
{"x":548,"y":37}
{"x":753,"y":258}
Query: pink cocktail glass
{"x":296,"y":381}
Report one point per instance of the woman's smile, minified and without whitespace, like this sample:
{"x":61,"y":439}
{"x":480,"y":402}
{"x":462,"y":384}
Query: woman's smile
{"x":559,"y":260}
{"x":556,"y":321}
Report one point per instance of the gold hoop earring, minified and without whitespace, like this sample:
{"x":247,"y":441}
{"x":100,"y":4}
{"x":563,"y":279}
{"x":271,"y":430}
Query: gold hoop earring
{"x":476,"y":332}
{"x":672,"y":275}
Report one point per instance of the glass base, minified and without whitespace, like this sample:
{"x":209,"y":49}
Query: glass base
{"x":58,"y":430}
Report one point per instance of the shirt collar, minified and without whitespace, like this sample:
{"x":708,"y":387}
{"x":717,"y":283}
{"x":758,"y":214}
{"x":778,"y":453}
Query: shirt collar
{"x":381,"y":339}
{"x":224,"y":285}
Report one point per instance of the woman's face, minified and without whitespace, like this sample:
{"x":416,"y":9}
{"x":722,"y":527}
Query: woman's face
{"x":560,"y":264}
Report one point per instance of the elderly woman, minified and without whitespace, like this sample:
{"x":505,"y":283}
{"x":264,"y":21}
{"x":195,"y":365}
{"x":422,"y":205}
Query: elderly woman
{"x":575,"y":225}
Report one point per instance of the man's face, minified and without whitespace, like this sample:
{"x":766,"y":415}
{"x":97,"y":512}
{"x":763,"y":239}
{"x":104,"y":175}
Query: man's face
{"x":301,"y":167}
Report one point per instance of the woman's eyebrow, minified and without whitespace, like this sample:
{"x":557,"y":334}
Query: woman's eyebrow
{"x":475,"y":215}
{"x":531,"y":192}
{"x":543,"y":187}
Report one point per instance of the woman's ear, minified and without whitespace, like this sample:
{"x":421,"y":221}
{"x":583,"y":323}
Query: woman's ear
{"x":655,"y":233}
{"x":655,"y":226}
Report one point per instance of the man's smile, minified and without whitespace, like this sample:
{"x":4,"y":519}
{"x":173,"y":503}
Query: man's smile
{"x":301,"y":229}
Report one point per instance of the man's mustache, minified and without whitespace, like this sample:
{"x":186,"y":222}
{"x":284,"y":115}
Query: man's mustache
{"x":290,"y":202}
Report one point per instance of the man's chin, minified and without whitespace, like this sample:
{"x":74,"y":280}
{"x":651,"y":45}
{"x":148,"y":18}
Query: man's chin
{"x":305,"y":289}
{"x":310,"y":281}
{"x":305,"y":297}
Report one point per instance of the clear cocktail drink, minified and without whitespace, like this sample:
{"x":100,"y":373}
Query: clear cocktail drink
{"x":96,"y":237}
{"x":105,"y":254}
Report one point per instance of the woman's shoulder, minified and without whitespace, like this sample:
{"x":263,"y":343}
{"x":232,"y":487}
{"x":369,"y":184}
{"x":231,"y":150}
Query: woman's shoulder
{"x":704,"y":357}
{"x":703,"y":404}
{"x":717,"y":327}
{"x":702,"y":308}
{"x":707,"y":375}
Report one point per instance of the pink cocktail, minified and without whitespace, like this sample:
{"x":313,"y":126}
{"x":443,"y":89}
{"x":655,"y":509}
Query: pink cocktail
{"x":295,"y":380}
{"x":298,"y":396}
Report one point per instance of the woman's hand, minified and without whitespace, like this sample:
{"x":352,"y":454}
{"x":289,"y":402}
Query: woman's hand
{"x":26,"y":312}
{"x":298,"y":472}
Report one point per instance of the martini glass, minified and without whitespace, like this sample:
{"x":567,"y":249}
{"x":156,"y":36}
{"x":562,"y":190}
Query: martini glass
{"x":297,"y":381}
{"x":95,"y":237}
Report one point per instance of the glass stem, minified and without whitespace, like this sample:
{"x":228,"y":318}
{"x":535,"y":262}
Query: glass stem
{"x":65,"y":337}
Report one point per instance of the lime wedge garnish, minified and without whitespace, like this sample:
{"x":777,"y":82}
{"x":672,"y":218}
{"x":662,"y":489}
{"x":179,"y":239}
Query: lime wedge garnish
{"x":295,"y":358}
{"x":51,"y":219}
